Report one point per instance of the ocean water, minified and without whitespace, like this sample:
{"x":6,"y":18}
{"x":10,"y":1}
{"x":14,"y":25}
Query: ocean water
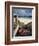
{"x":27,"y":17}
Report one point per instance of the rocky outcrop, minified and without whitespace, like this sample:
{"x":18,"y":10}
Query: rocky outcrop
{"x":25,"y":30}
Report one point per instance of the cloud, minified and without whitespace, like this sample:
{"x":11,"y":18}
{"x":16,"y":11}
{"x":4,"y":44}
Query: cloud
{"x":22,"y":12}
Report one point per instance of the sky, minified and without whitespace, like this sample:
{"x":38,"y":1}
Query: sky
{"x":22,"y":12}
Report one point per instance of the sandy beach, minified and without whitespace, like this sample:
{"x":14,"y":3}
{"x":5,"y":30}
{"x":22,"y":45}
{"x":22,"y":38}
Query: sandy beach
{"x":24,"y":20}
